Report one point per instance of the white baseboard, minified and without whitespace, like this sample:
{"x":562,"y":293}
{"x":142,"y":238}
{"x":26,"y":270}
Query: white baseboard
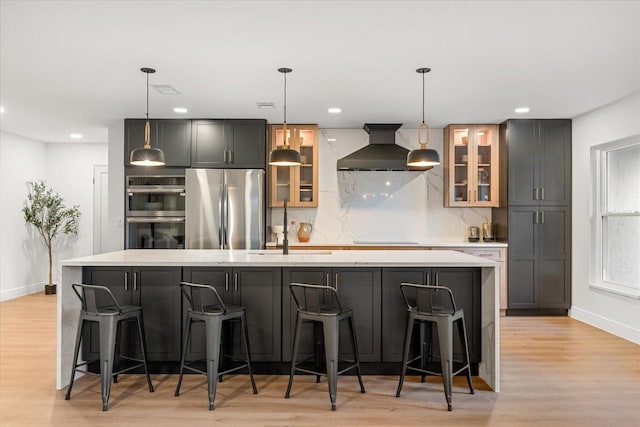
{"x":608,"y":325}
{"x":22,"y":291}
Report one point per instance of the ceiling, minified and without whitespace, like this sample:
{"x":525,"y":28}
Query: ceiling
{"x":72,"y":66}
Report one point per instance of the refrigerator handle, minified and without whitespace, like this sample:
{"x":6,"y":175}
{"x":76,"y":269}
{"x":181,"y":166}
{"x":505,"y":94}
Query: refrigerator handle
{"x":225,"y":219}
{"x":220,"y":224}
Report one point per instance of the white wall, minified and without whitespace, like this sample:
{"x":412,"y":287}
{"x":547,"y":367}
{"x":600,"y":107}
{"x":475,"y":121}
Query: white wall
{"x":68,"y":169}
{"x":381,"y":206}
{"x":614,"y":313}
{"x":116,"y":187}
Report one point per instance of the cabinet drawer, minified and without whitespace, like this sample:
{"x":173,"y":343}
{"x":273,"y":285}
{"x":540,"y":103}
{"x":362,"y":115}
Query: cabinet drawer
{"x":492,"y":254}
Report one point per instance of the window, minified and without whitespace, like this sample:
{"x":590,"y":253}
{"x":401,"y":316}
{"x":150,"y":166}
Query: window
{"x":615,"y":219}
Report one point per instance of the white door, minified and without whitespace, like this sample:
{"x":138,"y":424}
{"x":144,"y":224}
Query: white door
{"x":100,"y":208}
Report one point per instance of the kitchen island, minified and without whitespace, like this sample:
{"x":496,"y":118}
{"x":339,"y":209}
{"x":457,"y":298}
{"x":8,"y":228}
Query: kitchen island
{"x":269,"y":272}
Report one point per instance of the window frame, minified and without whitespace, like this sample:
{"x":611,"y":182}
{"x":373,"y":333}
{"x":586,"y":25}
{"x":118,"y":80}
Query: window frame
{"x":598,"y":214}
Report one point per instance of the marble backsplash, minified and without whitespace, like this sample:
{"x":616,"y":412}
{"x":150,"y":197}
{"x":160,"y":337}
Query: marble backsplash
{"x":380,"y":206}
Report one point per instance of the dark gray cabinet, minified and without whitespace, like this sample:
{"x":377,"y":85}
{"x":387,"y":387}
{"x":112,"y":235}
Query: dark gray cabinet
{"x":463,"y":282}
{"x":539,"y":257}
{"x":157,"y":290}
{"x":239,"y":144}
{"x":535,"y":214}
{"x":539,"y":161}
{"x":259,"y":291}
{"x":172,"y":136}
{"x":358,"y":288}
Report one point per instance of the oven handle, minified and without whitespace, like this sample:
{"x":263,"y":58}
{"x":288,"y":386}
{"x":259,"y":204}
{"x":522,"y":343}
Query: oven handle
{"x":155,"y":219}
{"x":150,"y":189}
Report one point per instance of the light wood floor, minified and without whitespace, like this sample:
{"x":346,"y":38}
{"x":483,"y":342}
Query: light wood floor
{"x":555,"y":372}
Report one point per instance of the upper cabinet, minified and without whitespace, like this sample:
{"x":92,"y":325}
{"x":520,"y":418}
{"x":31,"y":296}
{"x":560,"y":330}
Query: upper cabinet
{"x":471,"y":165}
{"x":539,"y":155}
{"x":299,"y":184}
{"x":237,"y":144}
{"x":171,"y":136}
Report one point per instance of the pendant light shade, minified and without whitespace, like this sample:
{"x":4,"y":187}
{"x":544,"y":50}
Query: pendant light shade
{"x":423,"y":158}
{"x":147,"y":156}
{"x":285,"y":156}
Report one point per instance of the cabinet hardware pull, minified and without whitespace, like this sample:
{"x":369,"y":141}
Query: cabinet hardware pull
{"x":535,"y":190}
{"x":135,"y":281}
{"x":437,"y":280}
{"x":235,"y":281}
{"x":536,"y":216}
{"x":230,"y":156}
{"x":336,"y":281}
{"x":542,"y":217}
{"x":542,"y":194}
{"x":226,"y":281}
{"x":327,"y":280}
{"x":224,"y":156}
{"x":126,"y":281}
{"x":428,"y":278}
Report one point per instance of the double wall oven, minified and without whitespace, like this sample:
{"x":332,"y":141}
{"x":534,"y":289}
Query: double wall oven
{"x":155,"y":211}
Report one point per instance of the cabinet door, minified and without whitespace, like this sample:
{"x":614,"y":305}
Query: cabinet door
{"x":522,"y":164}
{"x":316,"y":276}
{"x":523,"y":249}
{"x":218,"y":277}
{"x":394,"y":309}
{"x":174,"y":139}
{"x":258,"y":290}
{"x":134,"y":136}
{"x":246,"y":146}
{"x":555,"y":163}
{"x":209,"y":144}
{"x":157,"y":291}
{"x":360,"y":289}
{"x":554,"y":257}
{"x":465,"y":285}
{"x":118,"y":280}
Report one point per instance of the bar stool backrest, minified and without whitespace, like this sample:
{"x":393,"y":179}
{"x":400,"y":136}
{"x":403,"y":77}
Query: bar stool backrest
{"x":428,"y":299}
{"x":315,"y":298}
{"x":196,"y":295}
{"x":89,"y":296}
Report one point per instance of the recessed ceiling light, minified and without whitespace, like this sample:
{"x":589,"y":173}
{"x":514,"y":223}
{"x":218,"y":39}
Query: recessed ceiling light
{"x":266,"y":105}
{"x":1,"y":109}
{"x":75,"y":136}
{"x":179,"y":110}
{"x":335,"y":110}
{"x":521,"y":110}
{"x":331,"y":139}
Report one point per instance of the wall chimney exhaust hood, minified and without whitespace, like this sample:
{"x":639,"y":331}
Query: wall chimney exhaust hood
{"x":382,"y":153}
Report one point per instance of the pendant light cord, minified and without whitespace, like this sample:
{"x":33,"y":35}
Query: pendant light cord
{"x":423,"y":125}
{"x":285,"y":100}
{"x":422,"y":97}
{"x":148,"y":98}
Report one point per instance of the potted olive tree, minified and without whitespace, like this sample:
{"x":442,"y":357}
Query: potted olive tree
{"x":45,"y":211}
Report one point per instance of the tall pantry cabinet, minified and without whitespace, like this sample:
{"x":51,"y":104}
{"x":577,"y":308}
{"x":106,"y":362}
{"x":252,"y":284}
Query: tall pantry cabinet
{"x":534,"y":216}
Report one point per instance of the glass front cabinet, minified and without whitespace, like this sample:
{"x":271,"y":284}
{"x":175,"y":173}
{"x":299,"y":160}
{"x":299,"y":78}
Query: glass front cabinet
{"x":471,"y":166}
{"x":299,"y":184}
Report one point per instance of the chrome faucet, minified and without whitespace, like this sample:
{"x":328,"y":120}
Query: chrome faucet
{"x":285,"y":241}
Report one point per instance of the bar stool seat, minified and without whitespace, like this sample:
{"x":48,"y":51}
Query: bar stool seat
{"x":108,"y":319}
{"x":428,"y":305}
{"x":328,"y":316}
{"x":213,"y":316}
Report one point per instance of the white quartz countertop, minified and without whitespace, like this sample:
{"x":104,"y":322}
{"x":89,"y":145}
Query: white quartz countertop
{"x":274,"y":258}
{"x":461,"y":244}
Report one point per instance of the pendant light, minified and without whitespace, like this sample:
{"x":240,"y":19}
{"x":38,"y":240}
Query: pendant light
{"x":423,"y":158}
{"x":147,"y":156}
{"x":285,"y":156}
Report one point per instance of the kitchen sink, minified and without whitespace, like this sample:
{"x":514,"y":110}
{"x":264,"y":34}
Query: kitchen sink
{"x":291,"y":252}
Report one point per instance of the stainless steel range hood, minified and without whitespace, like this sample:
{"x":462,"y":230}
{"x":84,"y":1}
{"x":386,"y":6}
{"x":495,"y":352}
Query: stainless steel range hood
{"x":382,"y":153}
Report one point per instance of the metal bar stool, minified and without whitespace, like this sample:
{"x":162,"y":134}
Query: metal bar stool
{"x":434,"y":304}
{"x":329,"y":316}
{"x":213,"y":317}
{"x":108,"y":319}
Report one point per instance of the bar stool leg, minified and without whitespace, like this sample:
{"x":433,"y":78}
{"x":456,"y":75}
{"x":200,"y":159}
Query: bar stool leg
{"x":423,"y":349}
{"x":355,"y":352}
{"x":245,"y":337}
{"x":183,"y":358}
{"x":331,"y":339}
{"x":463,"y":334}
{"x":296,"y":341}
{"x":408,"y":331}
{"x":318,"y":347}
{"x":75,"y":357}
{"x":445,"y":339}
{"x":143,"y":345}
{"x":213,"y":330}
{"x":108,"y":328}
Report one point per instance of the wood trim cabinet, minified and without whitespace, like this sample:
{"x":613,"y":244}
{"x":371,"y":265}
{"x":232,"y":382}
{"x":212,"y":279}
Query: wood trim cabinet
{"x":299,"y":184}
{"x":471,"y":162}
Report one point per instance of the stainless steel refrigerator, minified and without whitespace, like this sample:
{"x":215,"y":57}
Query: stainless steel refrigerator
{"x":225,"y":209}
